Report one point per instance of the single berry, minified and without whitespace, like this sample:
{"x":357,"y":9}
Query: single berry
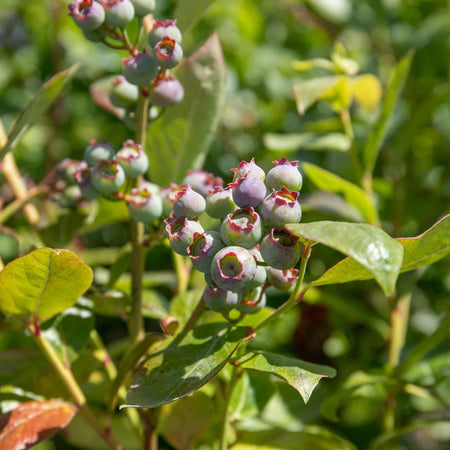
{"x":251,"y":301}
{"x":259,"y":278}
{"x":249,"y":168}
{"x":208,"y":279}
{"x":98,"y":151}
{"x":232,"y":268}
{"x":108,"y":176}
{"x":248,"y":191}
{"x":256,"y":253}
{"x":123,"y":94}
{"x":204,"y":248}
{"x":282,"y":280}
{"x":144,"y":206}
{"x":280,"y":249}
{"x":169,"y":91}
{"x":143,"y":7}
{"x":169,"y":197}
{"x":168,"y":53}
{"x":180,"y":232}
{"x":150,"y":187}
{"x":188,"y":203}
{"x":219,"y":203}
{"x":118,"y":13}
{"x":140,"y":69}
{"x":242,"y":227}
{"x":280,"y":208}
{"x":162,"y":29}
{"x":285,"y":173}
{"x":67,"y":167}
{"x":220,"y":300}
{"x":133,"y":159}
{"x":83,"y":178}
{"x":87,"y":14}
{"x":202,"y":182}
{"x":70,"y":197}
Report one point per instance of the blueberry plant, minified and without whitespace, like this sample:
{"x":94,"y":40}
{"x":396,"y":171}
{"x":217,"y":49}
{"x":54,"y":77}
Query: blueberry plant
{"x":193,"y":370}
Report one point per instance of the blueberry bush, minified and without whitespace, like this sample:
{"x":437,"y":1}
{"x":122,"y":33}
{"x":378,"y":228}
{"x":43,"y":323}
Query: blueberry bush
{"x":195,"y":196}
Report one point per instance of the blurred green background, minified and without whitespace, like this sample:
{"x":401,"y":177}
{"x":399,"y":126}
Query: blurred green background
{"x":344,"y":326}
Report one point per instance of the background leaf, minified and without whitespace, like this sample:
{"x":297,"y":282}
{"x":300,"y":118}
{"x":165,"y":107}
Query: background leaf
{"x":43,"y":283}
{"x":32,"y":422}
{"x":189,"y":12}
{"x":33,"y":112}
{"x":307,"y":92}
{"x":179,"y":140}
{"x":338,"y":142}
{"x":368,"y":245}
{"x":178,"y":367}
{"x":419,"y":251}
{"x":301,"y":375}
{"x":367,"y":91}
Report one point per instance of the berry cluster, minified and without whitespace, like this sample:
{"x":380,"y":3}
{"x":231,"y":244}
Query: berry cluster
{"x":251,"y":249}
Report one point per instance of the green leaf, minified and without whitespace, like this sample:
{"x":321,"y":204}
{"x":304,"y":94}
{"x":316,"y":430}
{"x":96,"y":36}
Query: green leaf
{"x":419,"y":251}
{"x":308,"y":92}
{"x":180,"y":139}
{"x":394,"y":88}
{"x":180,"y":366}
{"x":353,"y":194}
{"x":338,"y":142}
{"x":182,"y":305}
{"x":42,"y":284}
{"x":33,"y":112}
{"x":189,"y":12}
{"x":368,"y":245}
{"x":302,"y":376}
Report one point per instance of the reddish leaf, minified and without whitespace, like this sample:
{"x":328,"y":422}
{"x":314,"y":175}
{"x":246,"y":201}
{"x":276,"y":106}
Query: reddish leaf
{"x":32,"y":422}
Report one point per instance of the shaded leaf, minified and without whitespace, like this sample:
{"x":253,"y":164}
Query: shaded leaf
{"x":368,"y":245}
{"x":394,"y":88}
{"x":353,"y":194}
{"x":189,"y":12}
{"x":302,"y":376}
{"x":419,"y":251}
{"x":34,"y":110}
{"x":154,"y":305}
{"x":180,"y":139}
{"x":180,"y":366}
{"x":43,"y":283}
{"x":308,"y":92}
{"x":32,"y":422}
{"x":307,"y":141}
{"x":367,"y":91}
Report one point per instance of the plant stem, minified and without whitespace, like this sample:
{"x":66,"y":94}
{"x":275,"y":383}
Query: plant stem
{"x":182,"y":273}
{"x":223,"y":443}
{"x":70,"y":383}
{"x":293,"y":299}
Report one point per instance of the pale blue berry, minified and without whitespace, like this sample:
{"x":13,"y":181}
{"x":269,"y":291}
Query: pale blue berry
{"x":189,"y":203}
{"x":168,"y":53}
{"x":140,"y":69}
{"x":98,"y":151}
{"x":249,"y":168}
{"x":242,"y":227}
{"x":87,"y":14}
{"x":219,"y":203}
{"x":180,"y":232}
{"x":280,"y":249}
{"x":123,"y":94}
{"x":108,"y":176}
{"x":133,"y":159}
{"x":143,"y":7}
{"x":204,"y":248}
{"x":248,"y":191}
{"x":144,"y":206}
{"x":162,"y":29}
{"x":220,"y":300}
{"x":284,"y":174}
{"x":202,"y":182}
{"x":118,"y":13}
{"x":280,"y":208}
{"x":167,"y":92}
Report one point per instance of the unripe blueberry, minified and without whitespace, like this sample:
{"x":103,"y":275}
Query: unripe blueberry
{"x":167,"y":92}
{"x":219,"y":203}
{"x":150,"y":187}
{"x":83,"y":178}
{"x":220,"y":300}
{"x":140,"y":69}
{"x":169,"y":197}
{"x":280,"y":208}
{"x":251,"y":301}
{"x":123,"y":94}
{"x":256,"y":253}
{"x":248,"y":191}
{"x":161,"y":29}
{"x":242,"y":227}
{"x":118,"y":13}
{"x":143,"y":7}
{"x":208,"y":279}
{"x":87,"y":14}
{"x":202,"y":182}
{"x":249,"y":168}
{"x":259,"y":278}
{"x":232,"y":268}
{"x":204,"y":248}
{"x":168,"y":53}
{"x":98,"y":151}
{"x":285,"y":173}
{"x":133,"y":159}
{"x":180,"y":232}
{"x":70,"y":197}
{"x":144,"y":206}
{"x":189,"y":203}
{"x":107,"y":176}
{"x":280,"y":249}
{"x":67,"y":167}
{"x":282,"y":280}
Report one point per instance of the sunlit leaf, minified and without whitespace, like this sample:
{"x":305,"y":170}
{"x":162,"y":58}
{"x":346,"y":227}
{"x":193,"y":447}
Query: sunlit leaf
{"x":302,"y":376}
{"x":367,"y":91}
{"x":368,"y":245}
{"x":307,"y":92}
{"x":307,"y":141}
{"x":43,"y":283}
{"x":189,"y":12}
{"x":340,"y":95}
{"x":419,"y":251}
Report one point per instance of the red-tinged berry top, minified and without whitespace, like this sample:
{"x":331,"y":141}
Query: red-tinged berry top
{"x":243,"y":220}
{"x":108,"y":169}
{"x":129,"y":151}
{"x":165,"y":48}
{"x":164,"y":23}
{"x":285,"y":196}
{"x":284,"y":161}
{"x":139,"y":197}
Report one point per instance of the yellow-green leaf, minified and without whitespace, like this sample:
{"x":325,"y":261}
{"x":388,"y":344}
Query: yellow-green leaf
{"x":367,"y":91}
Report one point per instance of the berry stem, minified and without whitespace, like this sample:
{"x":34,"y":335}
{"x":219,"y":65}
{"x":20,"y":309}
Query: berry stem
{"x":223,"y":445}
{"x":294,"y":297}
